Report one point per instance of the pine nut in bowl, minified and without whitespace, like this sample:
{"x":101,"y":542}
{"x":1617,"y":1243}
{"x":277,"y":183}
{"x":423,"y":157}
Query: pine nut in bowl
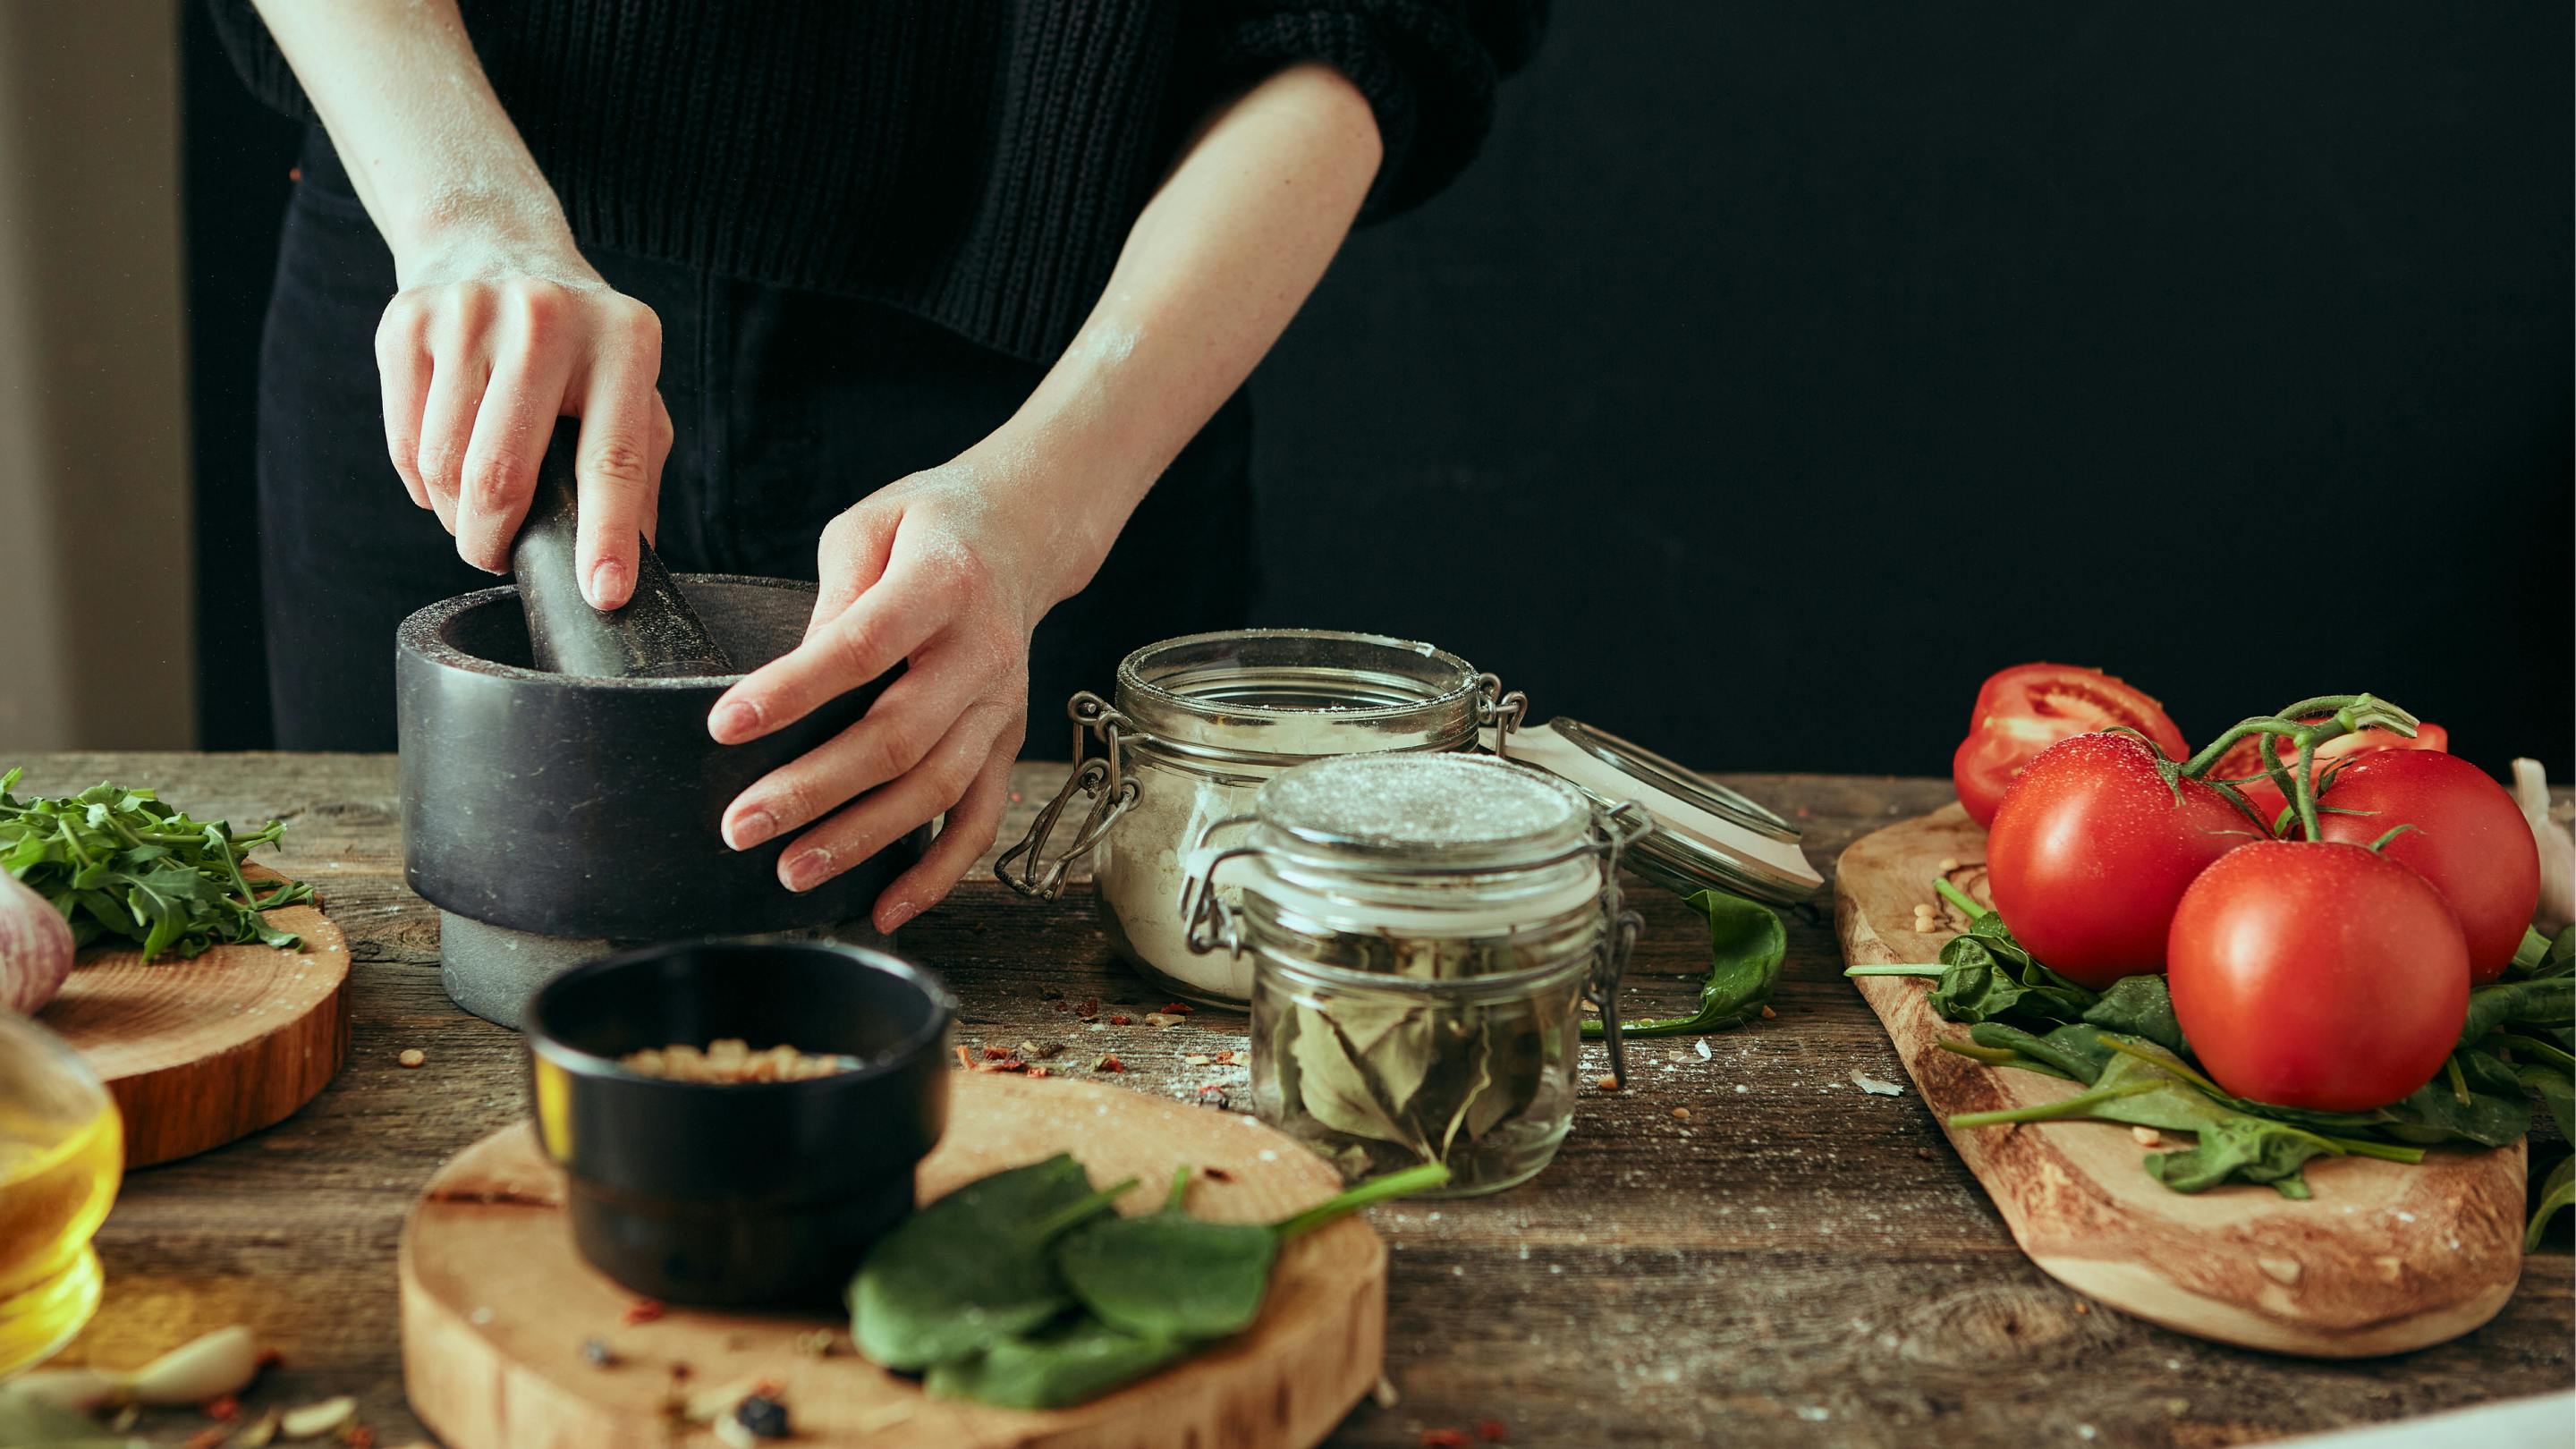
{"x":738,"y":1121}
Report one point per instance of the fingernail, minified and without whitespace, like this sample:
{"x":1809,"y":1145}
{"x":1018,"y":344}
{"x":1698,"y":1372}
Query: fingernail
{"x":733,"y":721}
{"x":806,"y":870}
{"x":750,"y":828}
{"x":607,"y":584}
{"x":896,"y":915}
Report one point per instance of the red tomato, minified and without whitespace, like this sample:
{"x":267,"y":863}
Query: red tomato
{"x":2469,"y":840}
{"x":2023,"y":710}
{"x":2318,"y":974}
{"x":2091,"y":852}
{"x":2245,"y":757}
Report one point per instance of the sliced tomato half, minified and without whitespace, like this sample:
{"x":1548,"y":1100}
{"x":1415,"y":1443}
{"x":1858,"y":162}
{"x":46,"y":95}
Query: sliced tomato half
{"x":2023,"y":710}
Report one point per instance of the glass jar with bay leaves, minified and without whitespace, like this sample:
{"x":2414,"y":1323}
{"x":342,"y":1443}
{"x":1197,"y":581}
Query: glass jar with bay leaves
{"x":1198,"y":726}
{"x":1423,"y":931}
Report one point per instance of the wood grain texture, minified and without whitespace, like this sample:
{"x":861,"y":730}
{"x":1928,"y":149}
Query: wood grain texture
{"x":496,"y":1304}
{"x":203,"y":1051}
{"x":2384,"y":1258}
{"x":1795,"y":1264}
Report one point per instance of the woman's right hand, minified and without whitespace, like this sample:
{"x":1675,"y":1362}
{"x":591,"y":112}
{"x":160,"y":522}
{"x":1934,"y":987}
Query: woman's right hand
{"x":480,"y":354}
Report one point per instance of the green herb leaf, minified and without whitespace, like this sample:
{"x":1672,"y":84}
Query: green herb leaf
{"x":1069,"y":1364}
{"x":974,"y":1267}
{"x":2556,"y":1196}
{"x":2139,"y":1006}
{"x":121,"y":865}
{"x":1746,"y":945}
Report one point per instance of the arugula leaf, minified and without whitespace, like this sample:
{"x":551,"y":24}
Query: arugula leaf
{"x":1746,"y":945}
{"x":119,"y":864}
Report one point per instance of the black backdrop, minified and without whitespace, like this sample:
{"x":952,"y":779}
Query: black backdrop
{"x":1782,"y":370}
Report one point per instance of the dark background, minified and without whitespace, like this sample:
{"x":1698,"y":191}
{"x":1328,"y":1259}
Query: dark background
{"x":1780,"y":371}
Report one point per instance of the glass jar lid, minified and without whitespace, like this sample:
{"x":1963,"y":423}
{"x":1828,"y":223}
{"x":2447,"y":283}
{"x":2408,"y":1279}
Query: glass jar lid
{"x":1706,"y":836}
{"x":1280,"y":695}
{"x":1436,"y":808}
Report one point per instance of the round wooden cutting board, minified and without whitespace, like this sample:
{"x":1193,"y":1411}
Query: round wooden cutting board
{"x":496,"y":1305}
{"x":202,"y":1051}
{"x":2384,"y":1258}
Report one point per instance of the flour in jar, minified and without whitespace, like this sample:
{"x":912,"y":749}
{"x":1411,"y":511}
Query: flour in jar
{"x":1145,"y":867}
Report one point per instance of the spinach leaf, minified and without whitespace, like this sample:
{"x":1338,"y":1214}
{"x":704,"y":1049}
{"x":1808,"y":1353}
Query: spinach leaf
{"x":974,"y":1267}
{"x":1746,"y":945}
{"x":2544,"y":1001}
{"x":1071,"y":1363}
{"x":2556,"y":1196}
{"x":120,"y":864}
{"x":2484,"y":1105}
{"x":2139,"y":1006}
{"x":1170,"y":1275}
{"x":2254,"y":1149}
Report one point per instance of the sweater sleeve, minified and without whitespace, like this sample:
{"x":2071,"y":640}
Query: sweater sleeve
{"x":1428,"y":68}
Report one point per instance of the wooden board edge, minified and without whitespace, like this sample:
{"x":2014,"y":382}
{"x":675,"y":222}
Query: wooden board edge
{"x":439,"y":1344}
{"x":2138,"y":1290}
{"x":308,"y":1052}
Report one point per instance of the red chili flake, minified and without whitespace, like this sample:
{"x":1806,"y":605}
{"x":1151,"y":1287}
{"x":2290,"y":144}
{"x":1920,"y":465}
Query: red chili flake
{"x":1491,"y":1430}
{"x":1090,"y":1008}
{"x":1109,"y":1063}
{"x":964,"y":1058}
{"x":642,"y":1310}
{"x":1121,"y":1019}
{"x":359,"y":1436}
{"x":1211,"y":1087}
{"x":1444,"y":1439}
{"x":269,"y":1358}
{"x":1177,"y":1008}
{"x":222,"y":1407}
{"x":995,"y":1054}
{"x":1223,"y":1059}
{"x":1217,"y":1174}
{"x":1008,"y":1064}
{"x":1040,"y":1072}
{"x":208,"y":1439}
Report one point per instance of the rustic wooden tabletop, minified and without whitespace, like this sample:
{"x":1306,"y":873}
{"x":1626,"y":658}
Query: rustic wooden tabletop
{"x":1741,"y":1247}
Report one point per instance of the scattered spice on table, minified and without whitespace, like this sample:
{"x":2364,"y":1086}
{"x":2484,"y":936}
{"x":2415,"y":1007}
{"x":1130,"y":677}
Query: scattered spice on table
{"x":1491,"y":1430}
{"x":412,"y":1057}
{"x":645,"y":1310}
{"x":1108,"y":1062}
{"x":223,"y":1408}
{"x":1606,"y":1082}
{"x":596,"y":1353}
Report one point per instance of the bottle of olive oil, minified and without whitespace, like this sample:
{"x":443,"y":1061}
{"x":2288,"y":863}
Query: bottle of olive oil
{"x":58,"y":1175}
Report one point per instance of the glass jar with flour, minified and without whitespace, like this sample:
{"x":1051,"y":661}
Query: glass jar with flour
{"x":1195,"y":727}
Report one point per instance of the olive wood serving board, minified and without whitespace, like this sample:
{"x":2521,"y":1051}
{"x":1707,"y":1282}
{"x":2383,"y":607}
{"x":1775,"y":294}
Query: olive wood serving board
{"x":202,"y":1051}
{"x":2385,"y":1257}
{"x":496,"y":1304}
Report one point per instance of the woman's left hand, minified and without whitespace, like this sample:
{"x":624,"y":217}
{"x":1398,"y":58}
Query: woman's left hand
{"x":948,"y":572}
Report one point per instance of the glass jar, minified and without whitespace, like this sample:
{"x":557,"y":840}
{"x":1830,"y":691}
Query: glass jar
{"x":62,"y":1152}
{"x":1423,"y":930}
{"x":1197,"y":726}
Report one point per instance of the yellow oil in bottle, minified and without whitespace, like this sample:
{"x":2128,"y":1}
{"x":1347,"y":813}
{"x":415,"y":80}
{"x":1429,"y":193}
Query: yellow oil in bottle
{"x":57,"y":1180}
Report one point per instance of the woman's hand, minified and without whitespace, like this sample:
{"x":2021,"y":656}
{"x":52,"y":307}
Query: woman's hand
{"x":482,"y":350}
{"x":946,"y":572}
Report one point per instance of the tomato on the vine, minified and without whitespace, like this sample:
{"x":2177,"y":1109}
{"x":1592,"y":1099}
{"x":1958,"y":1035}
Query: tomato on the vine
{"x":2317,"y":974}
{"x":2023,"y":710}
{"x":2245,"y":758}
{"x":2093,"y":849}
{"x":2469,"y":840}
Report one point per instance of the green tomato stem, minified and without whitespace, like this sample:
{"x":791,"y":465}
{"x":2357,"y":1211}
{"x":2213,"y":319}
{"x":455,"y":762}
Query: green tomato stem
{"x":1991,"y":1056}
{"x":2079,"y":1105}
{"x":1958,"y":897}
{"x":1351,"y":1199}
{"x":1180,"y":1188}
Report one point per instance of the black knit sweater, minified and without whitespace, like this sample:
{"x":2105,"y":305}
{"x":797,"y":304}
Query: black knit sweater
{"x":977,"y":162}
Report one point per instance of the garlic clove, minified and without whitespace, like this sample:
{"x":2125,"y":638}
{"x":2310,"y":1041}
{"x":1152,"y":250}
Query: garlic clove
{"x":222,"y":1362}
{"x":2557,"y":848}
{"x":80,"y":1389}
{"x":315,"y":1420}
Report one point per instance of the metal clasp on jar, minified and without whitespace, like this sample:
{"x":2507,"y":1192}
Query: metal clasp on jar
{"x":1103,"y":778}
{"x":1622,"y":825}
{"x":1497,"y":711}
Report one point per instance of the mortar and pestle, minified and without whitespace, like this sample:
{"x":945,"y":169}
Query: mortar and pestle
{"x":560,"y":793}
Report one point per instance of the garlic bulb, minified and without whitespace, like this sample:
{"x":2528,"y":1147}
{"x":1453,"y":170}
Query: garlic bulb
{"x":35,"y":947}
{"x":2557,"y":848}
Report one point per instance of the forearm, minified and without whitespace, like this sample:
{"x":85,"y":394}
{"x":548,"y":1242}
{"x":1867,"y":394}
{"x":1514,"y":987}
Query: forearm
{"x":430,"y":151}
{"x":1215,"y":267}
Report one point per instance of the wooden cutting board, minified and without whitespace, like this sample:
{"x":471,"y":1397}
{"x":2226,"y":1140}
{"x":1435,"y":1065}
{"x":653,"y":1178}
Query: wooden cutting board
{"x":496,"y":1304}
{"x":202,"y":1051}
{"x":2385,"y":1257}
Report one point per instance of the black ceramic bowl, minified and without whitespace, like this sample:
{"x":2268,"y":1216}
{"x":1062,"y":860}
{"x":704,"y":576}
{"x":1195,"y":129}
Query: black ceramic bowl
{"x":740,"y":1193}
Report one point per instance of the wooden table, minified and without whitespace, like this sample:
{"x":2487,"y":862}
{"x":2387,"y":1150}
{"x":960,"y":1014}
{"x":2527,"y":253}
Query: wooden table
{"x":1794,"y":1262}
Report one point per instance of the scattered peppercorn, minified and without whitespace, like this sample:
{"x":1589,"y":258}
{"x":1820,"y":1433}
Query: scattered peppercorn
{"x":765,"y":1417}
{"x":596,"y":1353}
